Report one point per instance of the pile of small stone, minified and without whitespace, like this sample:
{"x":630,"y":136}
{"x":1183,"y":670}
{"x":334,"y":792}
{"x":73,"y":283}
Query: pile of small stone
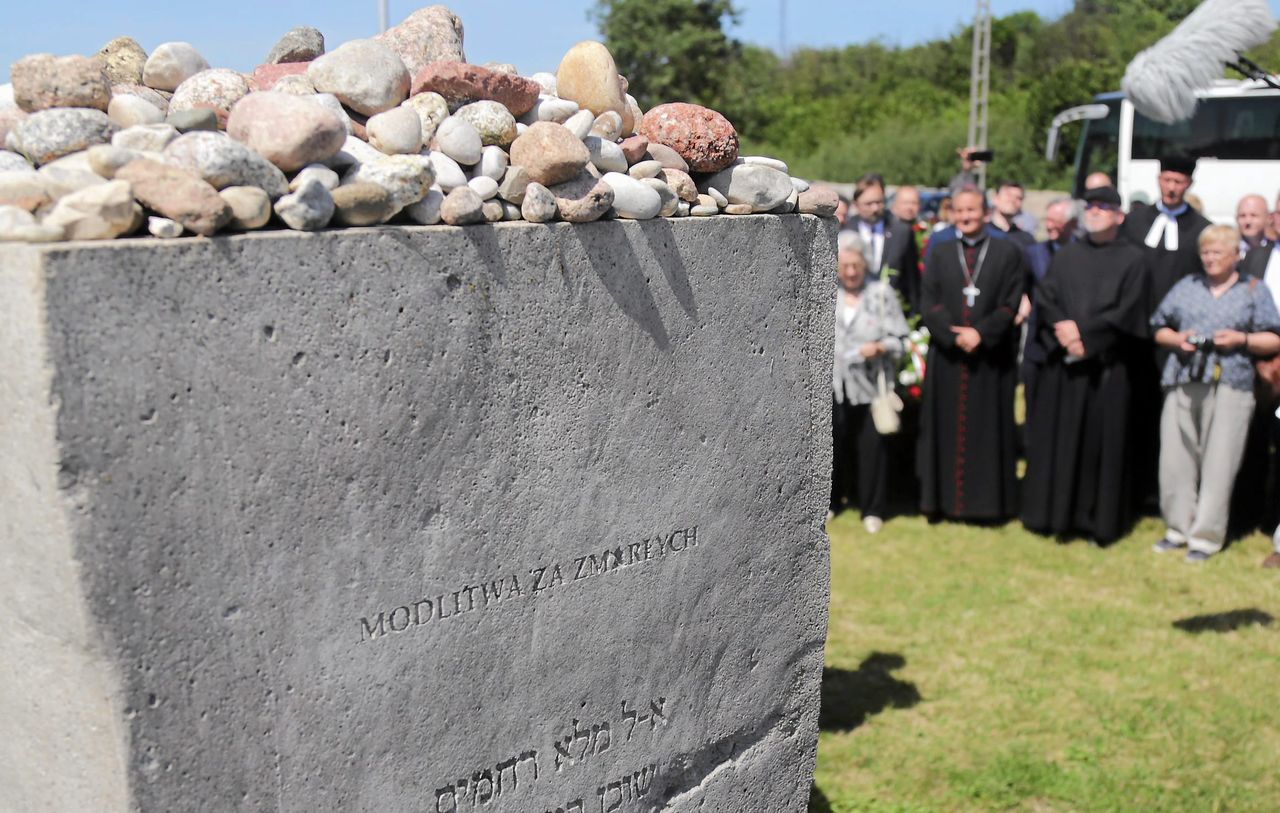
{"x":394,"y":128}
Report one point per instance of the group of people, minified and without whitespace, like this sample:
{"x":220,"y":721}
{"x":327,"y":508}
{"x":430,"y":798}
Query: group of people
{"x":1138,"y":338}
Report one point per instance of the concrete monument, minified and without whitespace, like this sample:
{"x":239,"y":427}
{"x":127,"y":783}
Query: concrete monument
{"x":421,"y":520}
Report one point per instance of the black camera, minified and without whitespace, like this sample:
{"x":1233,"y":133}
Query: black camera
{"x":1202,"y":348}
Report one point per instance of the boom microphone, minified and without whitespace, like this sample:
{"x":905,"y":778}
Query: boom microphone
{"x":1162,"y":81}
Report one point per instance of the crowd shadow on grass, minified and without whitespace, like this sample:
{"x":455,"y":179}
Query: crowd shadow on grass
{"x":1224,"y":622}
{"x":818,"y":802}
{"x":849,"y":697}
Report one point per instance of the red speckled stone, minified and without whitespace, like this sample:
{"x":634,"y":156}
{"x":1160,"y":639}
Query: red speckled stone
{"x":461,"y":83}
{"x":702,"y":137}
{"x":634,"y":148}
{"x":265,"y":76}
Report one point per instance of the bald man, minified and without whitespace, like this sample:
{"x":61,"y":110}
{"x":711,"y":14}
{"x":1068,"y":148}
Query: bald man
{"x":1097,"y":180}
{"x":1251,"y":220}
{"x":906,"y":204}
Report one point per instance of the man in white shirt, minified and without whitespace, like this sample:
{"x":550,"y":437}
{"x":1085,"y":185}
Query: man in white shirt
{"x":1251,"y":220}
{"x":1262,"y":449}
{"x":890,"y":244}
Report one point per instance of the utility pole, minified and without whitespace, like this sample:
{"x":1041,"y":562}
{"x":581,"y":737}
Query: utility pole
{"x":782,"y":30}
{"x":382,"y":15}
{"x":980,"y":83}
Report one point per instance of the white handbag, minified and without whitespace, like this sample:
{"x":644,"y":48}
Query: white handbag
{"x":885,"y":407}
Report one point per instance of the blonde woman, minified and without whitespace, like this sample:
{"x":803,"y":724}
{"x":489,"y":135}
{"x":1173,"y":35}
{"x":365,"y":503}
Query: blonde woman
{"x":870,"y":329}
{"x":1216,"y":323}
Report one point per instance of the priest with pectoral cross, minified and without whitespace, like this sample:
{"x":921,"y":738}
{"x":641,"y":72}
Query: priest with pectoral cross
{"x":970,"y":295}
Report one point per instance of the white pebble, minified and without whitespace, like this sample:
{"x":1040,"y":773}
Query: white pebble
{"x":449,"y":176}
{"x":426,"y":212}
{"x":608,"y":125}
{"x":164,"y":228}
{"x":606,"y":156}
{"x":719,"y":197}
{"x":171,"y":64}
{"x":580,"y":123}
{"x":631,"y":198}
{"x":484,"y":186}
{"x":397,"y":131}
{"x":549,"y":108}
{"x":799,"y":185}
{"x":645,"y":169}
{"x":460,"y":141}
{"x":539,"y":204}
{"x":127,"y":111}
{"x":765,"y":161}
{"x":493,"y":163}
{"x":145,"y":137}
{"x":319,"y":172}
{"x":547,"y":81}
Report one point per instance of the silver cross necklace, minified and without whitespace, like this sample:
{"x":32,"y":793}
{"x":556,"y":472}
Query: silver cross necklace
{"x":970,"y":289}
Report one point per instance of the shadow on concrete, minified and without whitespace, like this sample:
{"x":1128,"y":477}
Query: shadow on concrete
{"x":611,"y":257}
{"x":850,"y":697}
{"x":662,"y":243}
{"x":1224,"y":622}
{"x":490,"y":251}
{"x":818,"y":800}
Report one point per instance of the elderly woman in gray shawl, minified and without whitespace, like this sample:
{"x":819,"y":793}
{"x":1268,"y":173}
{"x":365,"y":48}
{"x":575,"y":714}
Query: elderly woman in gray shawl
{"x":870,"y":333}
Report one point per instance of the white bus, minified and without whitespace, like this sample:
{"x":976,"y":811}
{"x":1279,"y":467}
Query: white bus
{"x":1235,"y":134}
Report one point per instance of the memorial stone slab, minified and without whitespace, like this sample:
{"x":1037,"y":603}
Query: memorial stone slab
{"x":511,"y":518}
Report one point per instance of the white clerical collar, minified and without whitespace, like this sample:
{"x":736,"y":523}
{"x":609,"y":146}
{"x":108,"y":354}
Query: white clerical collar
{"x":1178,"y":211}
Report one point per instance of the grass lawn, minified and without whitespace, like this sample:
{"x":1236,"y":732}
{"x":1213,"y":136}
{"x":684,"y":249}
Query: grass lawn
{"x":988,"y":669}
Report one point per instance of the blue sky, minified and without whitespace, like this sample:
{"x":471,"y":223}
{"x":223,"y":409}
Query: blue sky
{"x":533,"y":35}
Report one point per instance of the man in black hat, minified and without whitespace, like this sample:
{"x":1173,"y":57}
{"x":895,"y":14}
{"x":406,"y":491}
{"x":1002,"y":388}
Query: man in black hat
{"x":1169,"y":233}
{"x":1092,"y":324}
{"x":1169,"y":230}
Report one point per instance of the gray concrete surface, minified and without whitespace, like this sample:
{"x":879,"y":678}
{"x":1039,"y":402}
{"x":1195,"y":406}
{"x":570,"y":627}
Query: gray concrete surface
{"x":518,"y":518}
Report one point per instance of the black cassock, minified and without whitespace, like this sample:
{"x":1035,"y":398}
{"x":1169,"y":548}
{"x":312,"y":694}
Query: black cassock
{"x":968,"y":448}
{"x":1165,"y":267}
{"x":1079,"y":444}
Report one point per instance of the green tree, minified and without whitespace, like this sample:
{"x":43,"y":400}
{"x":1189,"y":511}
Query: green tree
{"x":669,"y":50}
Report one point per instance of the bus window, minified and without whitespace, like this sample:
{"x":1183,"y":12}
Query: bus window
{"x":1099,"y":149}
{"x":1241,"y":129}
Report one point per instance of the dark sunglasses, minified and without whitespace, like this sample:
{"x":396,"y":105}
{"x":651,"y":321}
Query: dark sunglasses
{"x":1106,"y":207}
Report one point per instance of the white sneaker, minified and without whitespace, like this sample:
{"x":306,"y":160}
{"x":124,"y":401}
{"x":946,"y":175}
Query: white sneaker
{"x":872,"y":525}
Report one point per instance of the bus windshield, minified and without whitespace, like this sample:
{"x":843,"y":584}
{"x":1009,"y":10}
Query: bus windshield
{"x":1231,"y":128}
{"x":1099,"y":149}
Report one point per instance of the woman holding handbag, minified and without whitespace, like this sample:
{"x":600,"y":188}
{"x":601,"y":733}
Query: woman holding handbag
{"x":869,"y":339}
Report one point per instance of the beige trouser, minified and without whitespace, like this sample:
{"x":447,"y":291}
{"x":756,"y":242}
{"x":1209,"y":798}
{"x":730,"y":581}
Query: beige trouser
{"x":1203,"y":428}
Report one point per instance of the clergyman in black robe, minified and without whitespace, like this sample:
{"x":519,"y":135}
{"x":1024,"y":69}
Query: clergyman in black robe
{"x":968,"y":446}
{"x":1093,"y":328}
{"x":1169,"y":231}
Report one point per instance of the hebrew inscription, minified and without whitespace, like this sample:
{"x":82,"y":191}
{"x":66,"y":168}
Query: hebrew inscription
{"x":580,"y":742}
{"x":496,"y":590}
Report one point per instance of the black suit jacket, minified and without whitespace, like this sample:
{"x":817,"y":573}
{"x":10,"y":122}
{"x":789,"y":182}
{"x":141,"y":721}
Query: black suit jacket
{"x":1254,"y":263}
{"x":900,"y":254}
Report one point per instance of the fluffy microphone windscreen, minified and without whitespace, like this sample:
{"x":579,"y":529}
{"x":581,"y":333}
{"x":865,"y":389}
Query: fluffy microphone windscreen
{"x":1162,"y":81}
